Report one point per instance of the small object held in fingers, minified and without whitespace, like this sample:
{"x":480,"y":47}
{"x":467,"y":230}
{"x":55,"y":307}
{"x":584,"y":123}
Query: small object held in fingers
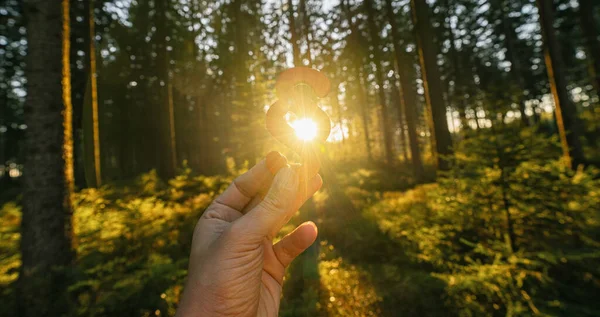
{"x":298,"y":90}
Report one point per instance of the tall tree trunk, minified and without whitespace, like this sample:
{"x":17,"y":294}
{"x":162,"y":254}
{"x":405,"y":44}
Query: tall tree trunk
{"x":510,"y":36}
{"x":362,"y":96}
{"x":335,"y":102}
{"x":432,"y":83}
{"x":78,"y":86}
{"x":396,"y":100}
{"x":408,"y":98}
{"x":362,"y":99}
{"x":456,"y":98}
{"x":140,"y":136}
{"x":294,"y":34}
{"x":569,"y":127}
{"x":94,"y":94}
{"x":379,"y":75}
{"x":166,"y":115}
{"x":244,"y":98}
{"x":590,"y":34}
{"x":3,"y":122}
{"x":307,"y":33}
{"x":46,"y":228}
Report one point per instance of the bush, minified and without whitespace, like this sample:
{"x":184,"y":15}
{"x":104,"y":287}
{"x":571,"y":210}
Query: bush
{"x":510,"y":230}
{"x":132,"y":241}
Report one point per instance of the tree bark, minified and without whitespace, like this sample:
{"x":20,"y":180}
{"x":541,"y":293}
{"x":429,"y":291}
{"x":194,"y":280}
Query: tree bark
{"x":590,"y":34}
{"x":375,"y":42}
{"x":408,"y":98}
{"x":432,"y":81}
{"x":294,"y":35}
{"x":94,"y":94}
{"x":362,"y":97}
{"x":335,"y":102}
{"x":166,"y":117}
{"x":46,"y":228}
{"x":78,"y":86}
{"x":569,"y":127}
{"x":510,"y":36}
{"x":307,"y":34}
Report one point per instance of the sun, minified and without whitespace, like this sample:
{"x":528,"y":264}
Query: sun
{"x":306,"y":129}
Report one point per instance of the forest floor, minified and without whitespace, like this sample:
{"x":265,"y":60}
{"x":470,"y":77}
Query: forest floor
{"x":357,"y":267}
{"x":386,"y":247}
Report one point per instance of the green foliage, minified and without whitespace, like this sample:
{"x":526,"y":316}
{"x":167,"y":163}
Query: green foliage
{"x":10,"y":259}
{"x":509,"y":230}
{"x":132,"y":242}
{"x":346,"y":289}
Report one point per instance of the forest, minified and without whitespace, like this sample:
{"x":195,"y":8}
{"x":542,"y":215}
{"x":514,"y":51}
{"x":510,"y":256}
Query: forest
{"x":461,"y":173}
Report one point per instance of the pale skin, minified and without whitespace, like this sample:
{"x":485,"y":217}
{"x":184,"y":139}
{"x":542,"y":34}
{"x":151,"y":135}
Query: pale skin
{"x":235,"y":269}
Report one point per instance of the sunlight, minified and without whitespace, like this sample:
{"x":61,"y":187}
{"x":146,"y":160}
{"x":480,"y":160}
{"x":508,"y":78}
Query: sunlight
{"x":306,"y":129}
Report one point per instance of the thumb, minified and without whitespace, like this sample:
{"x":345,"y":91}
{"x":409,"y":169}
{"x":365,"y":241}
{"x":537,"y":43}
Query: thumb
{"x":271,"y":213}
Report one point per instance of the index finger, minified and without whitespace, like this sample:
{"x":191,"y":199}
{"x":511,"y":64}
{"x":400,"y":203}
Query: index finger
{"x":250,"y":184}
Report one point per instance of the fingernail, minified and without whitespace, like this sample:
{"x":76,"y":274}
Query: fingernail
{"x":275,"y":161}
{"x":312,"y":224}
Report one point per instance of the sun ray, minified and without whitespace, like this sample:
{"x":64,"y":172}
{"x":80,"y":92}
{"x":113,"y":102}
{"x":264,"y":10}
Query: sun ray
{"x":305,"y":128}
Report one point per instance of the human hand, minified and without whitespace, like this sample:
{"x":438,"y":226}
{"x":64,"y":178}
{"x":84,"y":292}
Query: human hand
{"x":235,"y":269}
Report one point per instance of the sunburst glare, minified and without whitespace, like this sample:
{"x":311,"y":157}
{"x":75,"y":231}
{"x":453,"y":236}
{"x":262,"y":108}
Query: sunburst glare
{"x":306,"y":129}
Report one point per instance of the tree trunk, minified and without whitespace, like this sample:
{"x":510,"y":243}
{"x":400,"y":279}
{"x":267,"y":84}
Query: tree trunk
{"x":307,"y":34}
{"x":166,"y":115}
{"x":46,"y":228}
{"x":456,"y":74}
{"x":362,"y":97}
{"x":335,"y":102}
{"x":510,"y":36}
{"x":432,"y":81}
{"x":569,"y":127}
{"x":3,"y":123}
{"x":590,"y":34}
{"x":94,"y":94}
{"x":396,"y":99}
{"x":141,"y":135}
{"x":78,"y":86}
{"x":294,"y":35}
{"x":408,"y":99}
{"x":379,"y":75}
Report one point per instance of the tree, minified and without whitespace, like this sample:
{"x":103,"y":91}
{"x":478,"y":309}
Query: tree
{"x":408,"y":100}
{"x":93,"y":95}
{"x":306,"y":24}
{"x":354,"y":43}
{"x":516,"y":70}
{"x":379,"y":78}
{"x":46,"y":229}
{"x":569,"y":127}
{"x":590,"y":34}
{"x":432,"y":81}
{"x":166,"y":115}
{"x":294,"y":34}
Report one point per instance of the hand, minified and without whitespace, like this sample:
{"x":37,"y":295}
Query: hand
{"x":234,"y":269}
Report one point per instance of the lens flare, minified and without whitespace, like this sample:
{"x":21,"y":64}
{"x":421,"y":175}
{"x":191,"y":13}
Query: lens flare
{"x":306,"y":129}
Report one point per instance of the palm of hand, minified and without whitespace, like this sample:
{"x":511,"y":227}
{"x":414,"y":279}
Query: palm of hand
{"x":235,"y":269}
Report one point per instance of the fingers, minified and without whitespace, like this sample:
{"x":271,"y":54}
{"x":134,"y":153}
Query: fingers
{"x":286,"y":195}
{"x":249,"y":184}
{"x":287,"y":249}
{"x":295,"y":243}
